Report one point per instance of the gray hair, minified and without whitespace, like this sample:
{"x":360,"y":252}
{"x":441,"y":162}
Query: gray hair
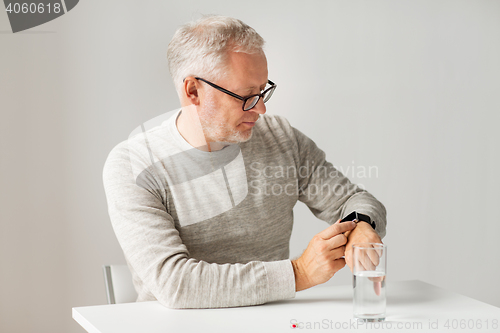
{"x":201,"y":48}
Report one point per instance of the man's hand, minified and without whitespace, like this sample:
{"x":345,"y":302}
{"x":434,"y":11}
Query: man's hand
{"x":323,"y":256}
{"x":363,"y":233}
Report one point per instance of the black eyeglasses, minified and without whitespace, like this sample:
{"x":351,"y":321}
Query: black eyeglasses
{"x":250,"y":101}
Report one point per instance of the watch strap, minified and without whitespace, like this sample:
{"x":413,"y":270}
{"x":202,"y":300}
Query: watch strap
{"x":359,"y":217}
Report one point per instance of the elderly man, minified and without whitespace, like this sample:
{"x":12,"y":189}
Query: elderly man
{"x":202,"y":203}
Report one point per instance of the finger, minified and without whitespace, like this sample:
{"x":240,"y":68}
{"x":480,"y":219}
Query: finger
{"x":361,"y":264}
{"x":377,"y":278}
{"x":337,"y":241}
{"x":377,"y":287}
{"x":374,"y":257}
{"x":365,"y":261}
{"x":337,"y":253}
{"x":337,"y":228}
{"x":377,"y":284}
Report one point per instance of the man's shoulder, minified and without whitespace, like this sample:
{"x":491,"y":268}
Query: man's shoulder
{"x":273,"y":130}
{"x":276,"y":126}
{"x":153,"y":136}
{"x":274,"y":121}
{"x":140,"y":150}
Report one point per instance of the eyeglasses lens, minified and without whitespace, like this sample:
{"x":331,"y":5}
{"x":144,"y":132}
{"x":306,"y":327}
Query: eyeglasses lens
{"x":250,"y":103}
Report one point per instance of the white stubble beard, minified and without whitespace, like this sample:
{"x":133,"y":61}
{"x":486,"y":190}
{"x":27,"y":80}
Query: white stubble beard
{"x":217,"y":130}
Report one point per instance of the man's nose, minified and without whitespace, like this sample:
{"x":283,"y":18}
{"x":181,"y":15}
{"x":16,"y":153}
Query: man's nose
{"x":260,"y":107}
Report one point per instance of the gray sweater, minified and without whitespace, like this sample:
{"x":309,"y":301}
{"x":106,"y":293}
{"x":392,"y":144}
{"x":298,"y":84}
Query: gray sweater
{"x":212,"y":229}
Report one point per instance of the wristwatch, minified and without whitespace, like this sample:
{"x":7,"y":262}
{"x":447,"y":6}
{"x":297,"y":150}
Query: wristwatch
{"x":357,"y":217}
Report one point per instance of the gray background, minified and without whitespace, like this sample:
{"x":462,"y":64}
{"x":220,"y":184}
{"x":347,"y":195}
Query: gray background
{"x":409,"y":87}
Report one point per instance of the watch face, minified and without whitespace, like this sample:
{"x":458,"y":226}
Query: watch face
{"x":351,"y":217}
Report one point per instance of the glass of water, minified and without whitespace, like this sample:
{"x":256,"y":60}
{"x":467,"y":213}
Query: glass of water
{"x":369,"y":269}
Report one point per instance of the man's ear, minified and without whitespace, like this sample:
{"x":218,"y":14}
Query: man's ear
{"x":190,"y":89}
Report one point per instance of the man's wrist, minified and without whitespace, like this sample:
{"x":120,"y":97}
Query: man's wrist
{"x":301,"y":281}
{"x":361,"y":225}
{"x":364,"y":224}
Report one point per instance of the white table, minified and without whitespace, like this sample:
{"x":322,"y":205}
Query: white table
{"x":412,"y":306}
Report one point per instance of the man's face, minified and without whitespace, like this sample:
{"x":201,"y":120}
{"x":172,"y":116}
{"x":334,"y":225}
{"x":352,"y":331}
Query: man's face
{"x":221,"y":115}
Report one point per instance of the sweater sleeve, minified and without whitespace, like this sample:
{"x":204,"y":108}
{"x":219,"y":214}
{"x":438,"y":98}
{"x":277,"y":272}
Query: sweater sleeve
{"x":325,"y":190}
{"x":155,"y":251}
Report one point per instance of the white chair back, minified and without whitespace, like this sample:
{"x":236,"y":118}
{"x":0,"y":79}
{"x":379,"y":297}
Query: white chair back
{"x":119,"y":286}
